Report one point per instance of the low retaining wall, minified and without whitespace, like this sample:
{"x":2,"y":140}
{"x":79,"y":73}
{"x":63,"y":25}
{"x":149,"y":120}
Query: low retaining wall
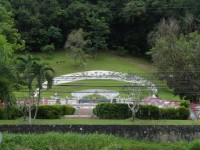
{"x":149,"y":132}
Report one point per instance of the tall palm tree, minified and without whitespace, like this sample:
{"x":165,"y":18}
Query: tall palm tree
{"x":25,"y":69}
{"x":43,"y":72}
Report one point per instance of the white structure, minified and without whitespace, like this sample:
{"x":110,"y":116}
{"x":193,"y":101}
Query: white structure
{"x":109,"y":94}
{"x":101,"y":74}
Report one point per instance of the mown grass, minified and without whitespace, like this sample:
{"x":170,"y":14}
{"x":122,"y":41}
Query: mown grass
{"x":63,"y":63}
{"x":73,"y":141}
{"x":64,"y":90}
{"x":101,"y":122}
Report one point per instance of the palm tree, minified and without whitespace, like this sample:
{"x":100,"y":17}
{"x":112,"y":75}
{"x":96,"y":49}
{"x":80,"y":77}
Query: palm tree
{"x":25,"y":69}
{"x":43,"y":72}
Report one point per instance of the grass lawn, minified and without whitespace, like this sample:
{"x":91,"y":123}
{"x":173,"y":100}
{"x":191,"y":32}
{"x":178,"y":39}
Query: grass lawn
{"x":64,"y":90}
{"x":63,"y":64}
{"x":102,"y":122}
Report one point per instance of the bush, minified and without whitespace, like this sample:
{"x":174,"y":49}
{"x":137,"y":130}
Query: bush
{"x":10,"y":113}
{"x":48,"y":49}
{"x":53,"y":111}
{"x":169,"y":113}
{"x":66,"y":110}
{"x":153,"y":112}
{"x":185,"y":103}
{"x":112,"y":111}
{"x":94,"y":98}
{"x":148,"y":112}
{"x":184,"y":113}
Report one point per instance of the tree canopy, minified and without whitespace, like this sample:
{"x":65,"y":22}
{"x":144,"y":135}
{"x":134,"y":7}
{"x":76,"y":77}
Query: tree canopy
{"x":176,"y":56}
{"x":107,"y":24}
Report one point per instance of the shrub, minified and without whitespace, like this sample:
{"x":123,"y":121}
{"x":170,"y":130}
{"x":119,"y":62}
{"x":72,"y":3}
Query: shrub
{"x":66,"y":110}
{"x":183,"y":113}
{"x":53,"y":111}
{"x":112,"y":111}
{"x":185,"y":103}
{"x":153,"y":112}
{"x":169,"y":113}
{"x":48,"y":49}
{"x":94,"y":98}
{"x":10,"y":113}
{"x":1,"y":114}
{"x":148,"y":112}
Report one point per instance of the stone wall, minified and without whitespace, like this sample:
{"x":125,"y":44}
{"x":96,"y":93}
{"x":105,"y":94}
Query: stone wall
{"x":149,"y":132}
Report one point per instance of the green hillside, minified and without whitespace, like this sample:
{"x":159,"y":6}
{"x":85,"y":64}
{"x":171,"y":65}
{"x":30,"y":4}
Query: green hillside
{"x":64,"y":64}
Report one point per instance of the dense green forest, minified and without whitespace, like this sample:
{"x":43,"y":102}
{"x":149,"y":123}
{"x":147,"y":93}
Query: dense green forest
{"x":121,"y":25}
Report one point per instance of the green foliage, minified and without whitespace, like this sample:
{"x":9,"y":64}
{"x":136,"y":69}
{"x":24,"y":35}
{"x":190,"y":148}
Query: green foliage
{"x":5,"y":49}
{"x":49,"y":49}
{"x":75,"y":44}
{"x":184,"y":113}
{"x":12,"y":113}
{"x":169,"y":113}
{"x":7,"y":29}
{"x":148,"y":112}
{"x":184,"y":103}
{"x":176,"y":57}
{"x":125,"y":23}
{"x":95,"y":98}
{"x":112,"y":111}
{"x":153,"y":112}
{"x":133,"y":9}
{"x":53,"y":111}
{"x":66,"y":110}
{"x":5,"y":89}
{"x":120,"y":50}
{"x":195,"y":145}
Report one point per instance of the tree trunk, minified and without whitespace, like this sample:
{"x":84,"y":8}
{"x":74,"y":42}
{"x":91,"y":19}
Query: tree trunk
{"x":133,"y":115}
{"x":29,"y":111}
{"x":29,"y":107}
{"x":37,"y":106}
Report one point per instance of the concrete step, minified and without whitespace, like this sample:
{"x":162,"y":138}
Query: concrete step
{"x":78,"y":116}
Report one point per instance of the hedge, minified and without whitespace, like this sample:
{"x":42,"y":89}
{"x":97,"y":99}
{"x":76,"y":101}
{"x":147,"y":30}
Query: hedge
{"x":153,"y":112}
{"x":10,"y":113}
{"x":121,"y":111}
{"x":148,"y":112}
{"x":53,"y":111}
{"x":112,"y":111}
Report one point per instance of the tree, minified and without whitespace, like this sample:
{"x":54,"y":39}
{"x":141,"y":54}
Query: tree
{"x":42,"y":72}
{"x":133,"y":9}
{"x":7,"y":44}
{"x":165,"y":28}
{"x":135,"y":93}
{"x":25,"y":67}
{"x":49,"y":49}
{"x":97,"y":35}
{"x":7,"y":29}
{"x":75,"y":44}
{"x":177,"y":61}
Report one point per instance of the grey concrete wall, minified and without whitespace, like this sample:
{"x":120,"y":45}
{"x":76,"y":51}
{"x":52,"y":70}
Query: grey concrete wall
{"x":149,"y":132}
